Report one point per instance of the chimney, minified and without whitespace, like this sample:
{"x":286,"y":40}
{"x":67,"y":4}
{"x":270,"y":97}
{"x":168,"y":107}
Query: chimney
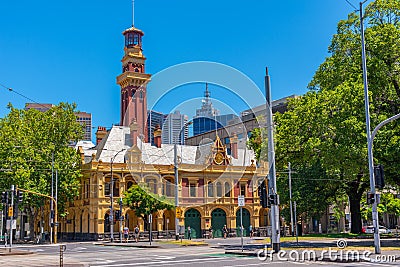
{"x":234,"y":146}
{"x":134,"y":127}
{"x":157,"y":136}
{"x":100,"y":134}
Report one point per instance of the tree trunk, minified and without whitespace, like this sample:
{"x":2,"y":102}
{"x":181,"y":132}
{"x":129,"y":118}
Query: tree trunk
{"x":32,"y":216}
{"x":355,"y":200}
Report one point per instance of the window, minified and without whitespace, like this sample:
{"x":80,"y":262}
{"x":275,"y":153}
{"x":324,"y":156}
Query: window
{"x":227,"y":190}
{"x":151,"y":183}
{"x":168,"y":187}
{"x":227,"y":140}
{"x":129,"y":185}
{"x":87,"y":190}
{"x":107,"y":187}
{"x":210,"y":189}
{"x":192,"y":189}
{"x":243,"y":189}
{"x":219,"y":189}
{"x":136,"y":39}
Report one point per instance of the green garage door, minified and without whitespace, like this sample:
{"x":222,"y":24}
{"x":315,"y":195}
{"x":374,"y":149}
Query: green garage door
{"x":218,"y":220}
{"x":246,"y":222}
{"x":192,"y":219}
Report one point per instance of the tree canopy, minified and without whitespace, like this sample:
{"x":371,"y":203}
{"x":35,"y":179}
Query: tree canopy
{"x":143,"y":202}
{"x":325,"y":128}
{"x":34,"y":145}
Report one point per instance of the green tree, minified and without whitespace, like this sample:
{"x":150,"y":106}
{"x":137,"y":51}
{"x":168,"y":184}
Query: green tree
{"x":327,"y":125}
{"x":33,"y":144}
{"x":143,"y":202}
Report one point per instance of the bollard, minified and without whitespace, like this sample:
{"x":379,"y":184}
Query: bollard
{"x":62,"y":249}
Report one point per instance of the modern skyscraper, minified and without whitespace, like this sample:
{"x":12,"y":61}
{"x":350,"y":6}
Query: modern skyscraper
{"x":154,"y":118}
{"x":133,"y":82}
{"x":173,"y":131}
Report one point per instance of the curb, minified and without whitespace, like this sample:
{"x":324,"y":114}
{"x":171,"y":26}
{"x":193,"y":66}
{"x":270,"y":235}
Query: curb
{"x":15,"y":253}
{"x":126,"y":245}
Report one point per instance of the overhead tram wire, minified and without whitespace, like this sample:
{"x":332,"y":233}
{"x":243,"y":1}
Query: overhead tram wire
{"x":355,"y":8}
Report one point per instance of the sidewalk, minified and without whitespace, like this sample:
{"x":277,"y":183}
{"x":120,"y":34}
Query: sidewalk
{"x":324,"y":249}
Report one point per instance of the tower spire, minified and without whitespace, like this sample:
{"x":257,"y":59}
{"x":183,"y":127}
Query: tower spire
{"x":207,"y":93}
{"x":133,"y":13}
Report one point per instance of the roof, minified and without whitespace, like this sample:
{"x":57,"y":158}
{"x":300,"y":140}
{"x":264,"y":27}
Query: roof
{"x":117,"y":141}
{"x":133,"y":29}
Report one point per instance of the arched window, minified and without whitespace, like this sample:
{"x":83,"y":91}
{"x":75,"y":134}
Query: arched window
{"x":129,"y":185}
{"x":210,"y":189}
{"x":219,"y":189}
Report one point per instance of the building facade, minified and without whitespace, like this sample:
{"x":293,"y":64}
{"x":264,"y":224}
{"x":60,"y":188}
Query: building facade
{"x":210,"y":182}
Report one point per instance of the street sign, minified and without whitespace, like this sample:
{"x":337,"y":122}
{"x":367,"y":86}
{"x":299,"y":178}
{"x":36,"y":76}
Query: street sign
{"x":241,"y":201}
{"x":150,"y":218}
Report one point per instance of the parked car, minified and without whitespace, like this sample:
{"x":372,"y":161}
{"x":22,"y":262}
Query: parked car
{"x":384,"y":230}
{"x":370,"y":230}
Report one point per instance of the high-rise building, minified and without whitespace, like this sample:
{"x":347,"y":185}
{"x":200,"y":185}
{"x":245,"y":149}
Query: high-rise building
{"x":207,"y":117}
{"x":133,"y":82}
{"x":84,"y":118}
{"x":207,"y":110}
{"x":154,"y":118}
{"x":174,"y":129}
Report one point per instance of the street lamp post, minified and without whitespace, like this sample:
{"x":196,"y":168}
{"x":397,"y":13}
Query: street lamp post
{"x":272,"y":189}
{"x":111,"y":217}
{"x":177,"y":178}
{"x":375,"y":220}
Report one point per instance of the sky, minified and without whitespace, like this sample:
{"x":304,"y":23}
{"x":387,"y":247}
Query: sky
{"x":70,"y":51}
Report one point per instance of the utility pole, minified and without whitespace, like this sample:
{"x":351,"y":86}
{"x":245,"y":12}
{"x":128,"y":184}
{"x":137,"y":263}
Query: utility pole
{"x":290,"y":199}
{"x":111,"y":217}
{"x":56,"y":219}
{"x":120,"y":220}
{"x":12,"y":215}
{"x":375,"y":220}
{"x":52,"y":195}
{"x":272,"y":190}
{"x":295,"y":220}
{"x":176,"y":191}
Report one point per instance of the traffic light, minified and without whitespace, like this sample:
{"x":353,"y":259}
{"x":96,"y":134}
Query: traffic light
{"x":379,"y":177}
{"x":370,"y":198}
{"x":4,"y":197}
{"x":262,"y":192}
{"x":273,"y":199}
{"x":117,"y":214}
{"x":20,"y":196}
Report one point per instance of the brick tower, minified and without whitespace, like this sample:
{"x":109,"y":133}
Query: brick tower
{"x":133,"y":82}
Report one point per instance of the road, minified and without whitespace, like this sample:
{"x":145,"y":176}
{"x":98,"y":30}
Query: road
{"x":89,"y":254}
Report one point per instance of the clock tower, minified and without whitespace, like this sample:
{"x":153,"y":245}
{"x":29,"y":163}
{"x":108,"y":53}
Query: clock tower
{"x":133,"y":81}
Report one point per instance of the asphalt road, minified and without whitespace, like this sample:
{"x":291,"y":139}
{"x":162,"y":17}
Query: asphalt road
{"x":88,"y":254}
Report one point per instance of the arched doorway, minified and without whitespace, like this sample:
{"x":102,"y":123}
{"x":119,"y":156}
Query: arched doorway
{"x":245,"y":220}
{"x":193,"y":219}
{"x":218,"y":220}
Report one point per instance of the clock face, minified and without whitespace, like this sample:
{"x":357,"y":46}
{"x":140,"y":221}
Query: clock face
{"x":219,"y":158}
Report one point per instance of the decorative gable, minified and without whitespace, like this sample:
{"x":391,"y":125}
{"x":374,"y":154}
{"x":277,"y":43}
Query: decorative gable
{"x":218,"y":155}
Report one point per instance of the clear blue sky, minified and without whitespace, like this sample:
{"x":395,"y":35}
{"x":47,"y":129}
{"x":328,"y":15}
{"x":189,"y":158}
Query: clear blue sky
{"x":54,"y":51}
